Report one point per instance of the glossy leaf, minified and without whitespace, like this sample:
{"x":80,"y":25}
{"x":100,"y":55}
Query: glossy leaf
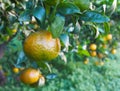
{"x":30,"y":4}
{"x":25,"y":16}
{"x":83,"y":52}
{"x":20,"y":57}
{"x":107,"y":27}
{"x":51,"y":76}
{"x":65,"y":39}
{"x":39,"y":13}
{"x":92,"y":16}
{"x":67,"y":9}
{"x":57,"y":26}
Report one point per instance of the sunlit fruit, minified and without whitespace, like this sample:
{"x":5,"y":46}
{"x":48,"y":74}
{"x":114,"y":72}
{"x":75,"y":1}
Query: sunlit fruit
{"x":109,"y":37}
{"x":16,"y":70}
{"x":100,"y":55}
{"x":40,"y":82}
{"x":104,"y":39}
{"x":86,"y":61}
{"x":97,"y":63}
{"x":14,"y":31}
{"x":101,"y":63}
{"x":104,"y":46}
{"x":41,"y":46}
{"x":93,"y":47}
{"x":113,"y":51}
{"x":29,"y":76}
{"x":6,"y":37}
{"x":93,"y":53}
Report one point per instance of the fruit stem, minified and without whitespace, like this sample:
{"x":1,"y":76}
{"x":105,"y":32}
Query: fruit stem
{"x":48,"y":66}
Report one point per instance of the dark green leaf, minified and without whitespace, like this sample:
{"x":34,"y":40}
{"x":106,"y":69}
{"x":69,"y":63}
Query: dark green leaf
{"x":20,"y":57}
{"x":65,"y":39}
{"x":57,"y":26}
{"x":25,"y":16}
{"x":51,"y":76}
{"x":92,"y":16}
{"x":30,"y":4}
{"x":68,"y":8}
{"x":39,"y":13}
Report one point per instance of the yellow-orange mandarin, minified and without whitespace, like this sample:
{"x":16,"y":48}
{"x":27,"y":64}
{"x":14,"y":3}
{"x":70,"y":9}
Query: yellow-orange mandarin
{"x":86,"y":61}
{"x":93,"y":53}
{"x":16,"y":70}
{"x":93,"y":47}
{"x":29,"y":76}
{"x":109,"y":37}
{"x":41,"y":46}
{"x":113,"y":51}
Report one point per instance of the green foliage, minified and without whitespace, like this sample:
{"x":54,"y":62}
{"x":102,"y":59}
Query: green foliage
{"x":77,"y":76}
{"x":57,"y":29}
{"x":24,"y":16}
{"x":94,"y":17}
{"x":67,"y":9}
{"x":77,"y":25}
{"x":39,"y":13}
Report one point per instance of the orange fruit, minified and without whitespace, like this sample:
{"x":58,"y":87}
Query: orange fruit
{"x":14,"y":31}
{"x":104,"y":46}
{"x":16,"y":70}
{"x":104,"y":39}
{"x":6,"y":37}
{"x":113,"y":51}
{"x":100,"y":55}
{"x":86,"y":61}
{"x":101,"y":63}
{"x":93,"y":53}
{"x":93,"y":47}
{"x":40,"y":82}
{"x":109,"y":37}
{"x":29,"y":76}
{"x":41,"y":46}
{"x":97,"y":63}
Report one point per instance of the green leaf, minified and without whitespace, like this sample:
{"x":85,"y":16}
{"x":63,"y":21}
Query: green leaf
{"x":51,"y":76}
{"x":65,"y":39}
{"x":25,"y":16}
{"x":21,"y":57}
{"x":92,"y":16}
{"x":107,"y":27}
{"x":39,"y":13}
{"x":57,"y":26}
{"x":30,"y":4}
{"x":67,"y":9}
{"x":83,"y":52}
{"x":82,"y":4}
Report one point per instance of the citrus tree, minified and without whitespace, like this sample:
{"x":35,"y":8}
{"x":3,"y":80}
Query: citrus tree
{"x":40,"y":32}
